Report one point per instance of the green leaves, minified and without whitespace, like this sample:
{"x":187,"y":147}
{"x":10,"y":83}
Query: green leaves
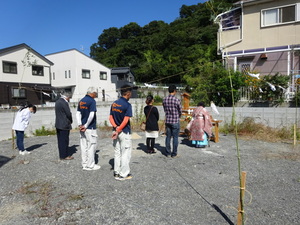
{"x":159,"y":51}
{"x":179,"y":52}
{"x":211,"y":82}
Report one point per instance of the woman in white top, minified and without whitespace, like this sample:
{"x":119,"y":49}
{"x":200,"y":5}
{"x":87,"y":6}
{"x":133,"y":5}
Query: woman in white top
{"x":20,"y":124}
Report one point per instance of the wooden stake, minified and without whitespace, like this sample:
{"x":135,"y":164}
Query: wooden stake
{"x":240,"y":217}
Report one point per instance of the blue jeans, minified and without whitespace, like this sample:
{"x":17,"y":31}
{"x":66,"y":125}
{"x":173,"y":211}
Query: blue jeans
{"x":172,"y":131}
{"x":20,"y":140}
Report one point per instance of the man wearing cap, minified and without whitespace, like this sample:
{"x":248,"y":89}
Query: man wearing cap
{"x":172,"y":108}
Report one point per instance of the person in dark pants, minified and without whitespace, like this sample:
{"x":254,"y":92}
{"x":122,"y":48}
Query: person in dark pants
{"x":152,"y":117}
{"x":63,"y":121}
{"x":20,"y":124}
{"x":172,"y":108}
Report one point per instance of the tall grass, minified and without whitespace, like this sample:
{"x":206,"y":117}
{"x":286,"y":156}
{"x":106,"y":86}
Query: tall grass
{"x":249,"y":129}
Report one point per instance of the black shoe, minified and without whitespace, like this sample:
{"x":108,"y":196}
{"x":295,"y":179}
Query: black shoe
{"x":116,"y":174}
{"x":151,"y":152}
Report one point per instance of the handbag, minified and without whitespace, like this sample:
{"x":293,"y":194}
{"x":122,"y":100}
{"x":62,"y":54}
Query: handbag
{"x":143,"y":124}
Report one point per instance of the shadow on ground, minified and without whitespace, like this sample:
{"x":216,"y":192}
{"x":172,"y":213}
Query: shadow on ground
{"x":4,"y":160}
{"x":36,"y":146}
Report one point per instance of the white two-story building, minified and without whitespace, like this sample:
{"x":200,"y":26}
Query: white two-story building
{"x":74,"y":71}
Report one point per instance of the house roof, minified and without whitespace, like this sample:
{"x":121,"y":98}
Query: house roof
{"x":251,"y":2}
{"x":120,"y":70}
{"x":21,"y":46}
{"x":68,"y":50}
{"x":74,"y":49}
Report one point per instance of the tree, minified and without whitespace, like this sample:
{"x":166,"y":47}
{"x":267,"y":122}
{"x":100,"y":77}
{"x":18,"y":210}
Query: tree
{"x":160,"y":51}
{"x":109,"y":38}
{"x":211,"y":82}
{"x":130,"y":31}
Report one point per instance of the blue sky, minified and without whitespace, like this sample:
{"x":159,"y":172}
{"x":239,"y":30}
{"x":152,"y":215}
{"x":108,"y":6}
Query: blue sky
{"x":50,"y":26}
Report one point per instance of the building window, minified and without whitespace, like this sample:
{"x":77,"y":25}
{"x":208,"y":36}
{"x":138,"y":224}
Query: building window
{"x":18,"y":93}
{"x":9,"y":67}
{"x":38,"y":70}
{"x":275,"y":16}
{"x":103,"y":75}
{"x":53,"y":76}
{"x":69,"y":73}
{"x":86,"y":74}
{"x":245,"y":67}
{"x":66,"y":74}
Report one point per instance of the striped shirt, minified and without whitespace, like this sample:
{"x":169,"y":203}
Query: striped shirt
{"x":172,"y":108}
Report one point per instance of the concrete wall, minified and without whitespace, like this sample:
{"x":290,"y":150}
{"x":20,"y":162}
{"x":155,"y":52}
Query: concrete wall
{"x":159,"y":91}
{"x":273,"y":117}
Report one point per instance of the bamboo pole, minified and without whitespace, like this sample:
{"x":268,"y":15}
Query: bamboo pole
{"x":296,"y":117}
{"x":295,"y":135}
{"x":240,"y":217}
{"x":12,"y":139}
{"x":242,"y":174}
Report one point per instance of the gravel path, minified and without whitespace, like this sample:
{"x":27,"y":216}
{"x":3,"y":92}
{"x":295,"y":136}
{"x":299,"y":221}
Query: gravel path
{"x":199,"y":187}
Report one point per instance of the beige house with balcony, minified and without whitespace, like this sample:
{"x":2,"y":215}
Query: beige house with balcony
{"x":261,"y":36}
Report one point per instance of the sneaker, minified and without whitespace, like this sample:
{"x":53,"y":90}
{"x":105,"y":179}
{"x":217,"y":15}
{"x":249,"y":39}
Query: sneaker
{"x":96,"y":167}
{"x":168,"y":156}
{"x":129,"y":176}
{"x":21,"y":153}
{"x":175,"y":156}
{"x":26,"y":152}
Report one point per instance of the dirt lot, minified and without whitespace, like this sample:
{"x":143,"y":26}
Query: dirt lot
{"x":199,"y":187}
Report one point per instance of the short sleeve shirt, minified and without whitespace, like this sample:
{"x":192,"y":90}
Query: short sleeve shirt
{"x":119,"y":109}
{"x":85,"y":106}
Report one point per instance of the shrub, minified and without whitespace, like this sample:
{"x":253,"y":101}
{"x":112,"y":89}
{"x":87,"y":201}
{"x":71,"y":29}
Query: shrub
{"x":44,"y":132}
{"x":158,"y":99}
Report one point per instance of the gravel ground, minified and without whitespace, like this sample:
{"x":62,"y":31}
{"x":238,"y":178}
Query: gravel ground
{"x":199,"y":187}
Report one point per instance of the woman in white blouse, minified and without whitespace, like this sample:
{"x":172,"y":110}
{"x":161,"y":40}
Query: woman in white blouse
{"x":20,"y":124}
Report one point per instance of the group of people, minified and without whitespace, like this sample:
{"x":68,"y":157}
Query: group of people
{"x":199,"y":127}
{"x":120,"y":114}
